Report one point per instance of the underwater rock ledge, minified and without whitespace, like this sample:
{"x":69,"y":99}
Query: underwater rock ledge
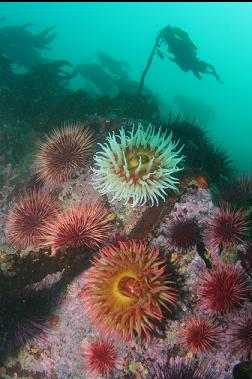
{"x":19,"y":269}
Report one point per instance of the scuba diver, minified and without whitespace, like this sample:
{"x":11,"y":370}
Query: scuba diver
{"x":185,"y":52}
{"x":177,"y":37}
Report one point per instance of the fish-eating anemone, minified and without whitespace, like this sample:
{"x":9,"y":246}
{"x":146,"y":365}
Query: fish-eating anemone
{"x":138,"y":166}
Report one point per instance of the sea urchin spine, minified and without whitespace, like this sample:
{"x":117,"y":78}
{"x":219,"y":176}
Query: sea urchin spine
{"x":229,"y":227}
{"x":179,"y":368}
{"x":241,"y":333}
{"x":200,"y":334}
{"x":184,"y":234}
{"x":86,"y":224}
{"x":63,"y":153}
{"x":100,"y":358}
{"x":28,"y":218}
{"x":224,"y":288}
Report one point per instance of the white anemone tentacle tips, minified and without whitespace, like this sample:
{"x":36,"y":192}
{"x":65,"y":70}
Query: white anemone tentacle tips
{"x":137,"y":166}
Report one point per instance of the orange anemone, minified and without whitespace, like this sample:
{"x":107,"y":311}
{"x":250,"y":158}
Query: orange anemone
{"x":128,"y":289}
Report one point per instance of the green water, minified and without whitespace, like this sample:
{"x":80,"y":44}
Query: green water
{"x":222,"y":33}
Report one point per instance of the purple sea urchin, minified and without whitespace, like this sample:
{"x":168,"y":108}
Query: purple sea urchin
{"x":137,"y":166}
{"x":64,"y":151}
{"x":184,"y":233}
{"x":27,"y":219}
{"x":25,"y":316}
{"x":181,"y":369}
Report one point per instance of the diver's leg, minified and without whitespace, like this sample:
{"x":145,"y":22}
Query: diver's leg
{"x":197,"y":74}
{"x":213,"y":72}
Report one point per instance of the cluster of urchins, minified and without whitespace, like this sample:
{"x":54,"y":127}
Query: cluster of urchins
{"x":129,"y":288}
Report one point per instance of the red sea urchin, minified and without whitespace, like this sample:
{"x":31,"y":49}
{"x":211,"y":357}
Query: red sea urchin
{"x":86,"y":224}
{"x":100,"y":358}
{"x":64,"y":152}
{"x":229,"y":227}
{"x":28,"y":218}
{"x":224,"y":288}
{"x":184,"y":234}
{"x":127,"y":290}
{"x":241,"y":333}
{"x":200,"y":334}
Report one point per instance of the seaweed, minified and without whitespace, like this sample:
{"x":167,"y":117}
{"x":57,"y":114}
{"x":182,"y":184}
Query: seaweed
{"x":115,"y":67}
{"x":27,"y":95}
{"x":19,"y":44}
{"x":135,"y":106}
{"x":98,"y":76}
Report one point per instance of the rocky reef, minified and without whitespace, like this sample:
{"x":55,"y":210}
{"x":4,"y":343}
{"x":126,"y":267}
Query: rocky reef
{"x":54,"y":322}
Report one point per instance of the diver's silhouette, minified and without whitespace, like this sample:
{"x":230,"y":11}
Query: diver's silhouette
{"x":185,"y":53}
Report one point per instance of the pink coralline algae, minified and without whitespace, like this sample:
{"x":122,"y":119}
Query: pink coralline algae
{"x":64,"y":353}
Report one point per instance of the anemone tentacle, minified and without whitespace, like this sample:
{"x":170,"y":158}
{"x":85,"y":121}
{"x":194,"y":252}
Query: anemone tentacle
{"x":137,"y":166}
{"x":128,"y":289}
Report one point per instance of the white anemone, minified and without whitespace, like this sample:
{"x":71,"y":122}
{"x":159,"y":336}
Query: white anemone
{"x":137,"y":166}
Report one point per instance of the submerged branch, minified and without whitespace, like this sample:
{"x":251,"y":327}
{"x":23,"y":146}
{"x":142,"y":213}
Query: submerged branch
{"x":153,"y":52}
